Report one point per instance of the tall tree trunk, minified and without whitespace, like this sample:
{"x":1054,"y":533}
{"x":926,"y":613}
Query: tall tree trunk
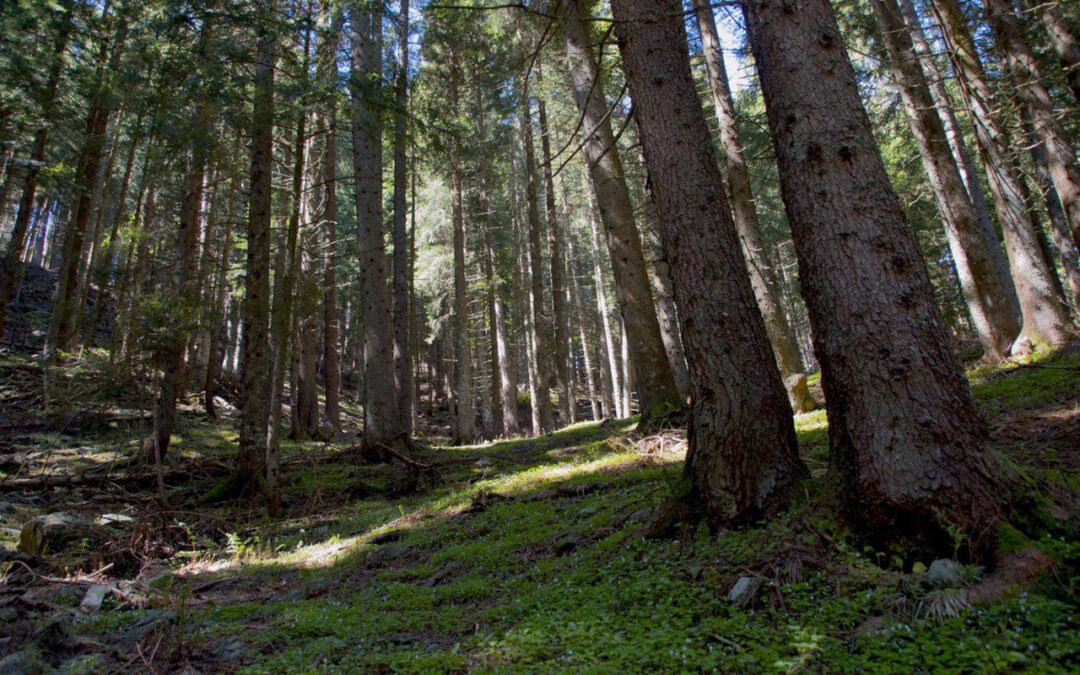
{"x":652,"y":372}
{"x":504,"y":393}
{"x":1063,"y":40}
{"x":1032,"y":93}
{"x":742,"y":461}
{"x":255,"y":345}
{"x":63,"y":333}
{"x":744,"y":209}
{"x":984,"y":290}
{"x":959,"y":147}
{"x":610,"y":380}
{"x":464,"y":403}
{"x":559,"y":319}
{"x":219,"y":304}
{"x":540,"y":397}
{"x":402,"y":382}
{"x":327,"y":74}
{"x":1059,"y":225}
{"x":382,"y":423}
{"x":904,"y":432}
{"x":1045,"y":322}
{"x":576,"y":299}
{"x":9,"y":262}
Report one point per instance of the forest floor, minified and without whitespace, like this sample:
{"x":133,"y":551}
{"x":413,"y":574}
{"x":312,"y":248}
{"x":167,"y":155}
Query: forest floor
{"x":525,"y":555}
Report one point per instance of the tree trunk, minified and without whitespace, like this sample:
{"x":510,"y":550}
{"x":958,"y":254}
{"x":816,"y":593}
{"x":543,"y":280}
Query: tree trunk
{"x":558,"y":336}
{"x":1032,"y":94}
{"x":464,"y":403}
{"x":742,"y":460}
{"x":382,"y":424}
{"x":576,"y":299}
{"x":611,"y":400}
{"x":1045,"y":322}
{"x":958,"y":145}
{"x":648,"y":358}
{"x":400,"y":235}
{"x":743,"y":208}
{"x":220,"y":302}
{"x":1063,"y":40}
{"x":540,"y":397}
{"x":984,"y":290}
{"x":255,"y":358}
{"x":904,"y":432}
{"x":9,"y":262}
{"x":63,"y":333}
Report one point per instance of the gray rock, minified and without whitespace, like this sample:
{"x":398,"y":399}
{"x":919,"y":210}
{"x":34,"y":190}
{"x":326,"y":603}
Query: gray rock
{"x":150,"y":622}
{"x":483,"y":461}
{"x":95,"y":595}
{"x":944,"y":573}
{"x":23,"y":662}
{"x":114,"y":519}
{"x":744,"y":590}
{"x":51,"y":532}
{"x":230,"y":649}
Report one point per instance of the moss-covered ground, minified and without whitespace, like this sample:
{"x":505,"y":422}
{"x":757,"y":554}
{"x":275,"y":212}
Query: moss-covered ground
{"x":527,"y":556}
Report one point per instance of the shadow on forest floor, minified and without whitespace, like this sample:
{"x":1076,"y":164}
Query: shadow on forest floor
{"x":524,"y":557}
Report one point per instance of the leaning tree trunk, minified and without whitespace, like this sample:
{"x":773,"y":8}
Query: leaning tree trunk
{"x":651,"y":371}
{"x":936,"y":80}
{"x":1045,"y":321}
{"x":744,"y":209}
{"x":1032,"y":93}
{"x":1063,"y":40}
{"x":742,"y":461}
{"x":984,"y":289}
{"x":382,"y":424}
{"x":904,"y":432}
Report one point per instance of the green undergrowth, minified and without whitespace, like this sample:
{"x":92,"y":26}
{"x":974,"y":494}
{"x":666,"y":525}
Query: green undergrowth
{"x":528,"y":557}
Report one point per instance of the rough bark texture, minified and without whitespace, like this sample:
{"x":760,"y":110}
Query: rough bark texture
{"x":965,"y":162}
{"x":464,"y":401}
{"x":402,"y":385}
{"x":609,"y":375}
{"x":1063,"y":40}
{"x":762,"y":275}
{"x":382,"y":423}
{"x":560,"y":318}
{"x":1032,"y":94}
{"x":540,"y":397}
{"x":904,"y":431}
{"x":984,"y":289}
{"x":652,"y":247}
{"x":743,"y":458}
{"x":651,"y":371}
{"x":255,"y":346}
{"x":1044,"y":319}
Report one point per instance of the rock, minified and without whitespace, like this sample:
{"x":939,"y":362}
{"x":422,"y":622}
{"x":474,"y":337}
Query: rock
{"x":6,"y":507}
{"x":95,"y":595}
{"x":944,"y":573}
{"x":228,"y":650}
{"x":24,"y":662}
{"x":799,"y":393}
{"x":51,"y":532}
{"x":114,"y":519}
{"x":483,"y":461}
{"x":150,"y":622}
{"x":744,"y":590}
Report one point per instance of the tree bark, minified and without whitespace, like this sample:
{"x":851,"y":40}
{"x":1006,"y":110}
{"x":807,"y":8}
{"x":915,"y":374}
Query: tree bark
{"x":904,"y":432}
{"x":610,"y":399}
{"x":9,"y":262}
{"x":744,"y":209}
{"x":652,"y":373}
{"x":402,"y":382}
{"x":559,"y":322}
{"x":984,"y":290}
{"x":382,"y":423}
{"x":255,"y":358}
{"x":1045,"y":322}
{"x":742,"y":460}
{"x":221,"y":301}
